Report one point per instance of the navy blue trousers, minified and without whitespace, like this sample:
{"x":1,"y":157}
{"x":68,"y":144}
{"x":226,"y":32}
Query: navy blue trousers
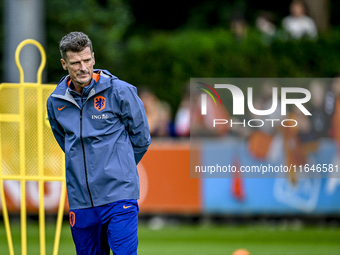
{"x":113,"y":226}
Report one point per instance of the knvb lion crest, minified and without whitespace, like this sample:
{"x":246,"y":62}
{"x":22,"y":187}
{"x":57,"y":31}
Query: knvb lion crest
{"x":99,"y":103}
{"x":72,"y":218}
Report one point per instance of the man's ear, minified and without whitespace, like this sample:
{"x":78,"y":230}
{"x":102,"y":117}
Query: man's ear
{"x":93,"y":58}
{"x":63,"y":63}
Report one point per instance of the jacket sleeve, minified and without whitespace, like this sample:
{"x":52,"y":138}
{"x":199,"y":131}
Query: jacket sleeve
{"x":134,"y":118}
{"x":57,"y":129}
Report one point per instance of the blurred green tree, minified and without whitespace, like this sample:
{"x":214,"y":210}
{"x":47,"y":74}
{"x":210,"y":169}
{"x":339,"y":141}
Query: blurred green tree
{"x":105,"y":21}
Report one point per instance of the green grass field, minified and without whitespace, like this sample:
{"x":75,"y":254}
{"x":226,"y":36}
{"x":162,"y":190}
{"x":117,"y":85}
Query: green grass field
{"x":259,"y":239}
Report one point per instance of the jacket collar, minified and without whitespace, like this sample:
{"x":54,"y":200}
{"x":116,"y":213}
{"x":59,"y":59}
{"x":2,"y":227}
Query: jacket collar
{"x":101,"y":78}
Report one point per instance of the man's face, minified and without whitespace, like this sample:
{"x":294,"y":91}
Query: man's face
{"x":80,"y":67}
{"x":297,"y":9}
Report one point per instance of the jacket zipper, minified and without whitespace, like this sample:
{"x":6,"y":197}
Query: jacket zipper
{"x":83,"y":147}
{"x":81,"y":140}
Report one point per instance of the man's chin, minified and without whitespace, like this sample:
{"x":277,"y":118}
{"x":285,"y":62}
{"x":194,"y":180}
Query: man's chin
{"x":84,"y":82}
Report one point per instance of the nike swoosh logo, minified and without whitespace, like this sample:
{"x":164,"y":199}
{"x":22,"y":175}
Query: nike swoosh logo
{"x":60,"y":108}
{"x":126,"y":207}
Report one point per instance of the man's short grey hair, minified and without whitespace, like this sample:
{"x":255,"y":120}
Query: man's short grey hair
{"x":74,"y":41}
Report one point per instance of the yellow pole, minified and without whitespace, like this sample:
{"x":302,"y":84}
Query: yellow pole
{"x":60,"y":218}
{"x":6,"y":219}
{"x":40,"y":134}
{"x":23,"y":213}
{"x":4,"y":208}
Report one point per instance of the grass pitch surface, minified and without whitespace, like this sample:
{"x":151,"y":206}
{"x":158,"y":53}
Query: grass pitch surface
{"x":199,"y":240}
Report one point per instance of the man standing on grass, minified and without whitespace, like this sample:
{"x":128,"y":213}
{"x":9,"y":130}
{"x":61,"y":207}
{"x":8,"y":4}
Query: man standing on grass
{"x":100,"y":123}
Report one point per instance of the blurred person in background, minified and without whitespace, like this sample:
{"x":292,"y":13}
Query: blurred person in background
{"x":260,"y":141}
{"x":100,"y":123}
{"x":158,"y":113}
{"x":239,"y":27}
{"x":333,"y":106}
{"x":321,"y":114}
{"x":265,"y":24}
{"x":293,"y":138}
{"x":298,"y":24}
{"x":302,"y":141}
{"x":335,"y":129}
{"x":182,"y":117}
{"x":202,"y":125}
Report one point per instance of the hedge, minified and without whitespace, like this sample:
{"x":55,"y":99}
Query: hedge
{"x":166,"y":61}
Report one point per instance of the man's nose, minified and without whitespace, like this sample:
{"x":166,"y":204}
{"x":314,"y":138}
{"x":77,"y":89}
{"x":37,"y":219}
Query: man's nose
{"x":82,"y":66}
